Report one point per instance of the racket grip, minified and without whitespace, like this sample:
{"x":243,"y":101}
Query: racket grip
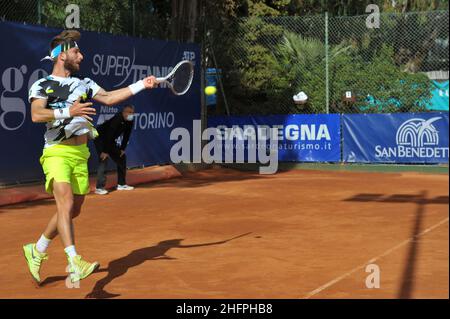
{"x":159,"y":80}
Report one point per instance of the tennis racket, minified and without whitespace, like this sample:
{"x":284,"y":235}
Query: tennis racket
{"x":180,"y":78}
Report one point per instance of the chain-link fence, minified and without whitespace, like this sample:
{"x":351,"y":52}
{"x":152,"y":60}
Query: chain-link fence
{"x":123,"y":17}
{"x":339,"y":63}
{"x":20,"y":10}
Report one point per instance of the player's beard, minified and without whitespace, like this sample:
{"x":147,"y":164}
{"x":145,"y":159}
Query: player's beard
{"x":71,"y":66}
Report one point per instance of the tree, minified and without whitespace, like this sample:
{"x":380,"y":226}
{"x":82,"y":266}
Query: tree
{"x":104,"y":16}
{"x":184,"y":19}
{"x":303,"y":62}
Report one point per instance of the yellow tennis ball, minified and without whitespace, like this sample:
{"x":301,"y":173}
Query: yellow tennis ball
{"x":210,"y":90}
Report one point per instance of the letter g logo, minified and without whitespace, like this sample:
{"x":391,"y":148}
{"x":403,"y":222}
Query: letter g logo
{"x":12,"y":81}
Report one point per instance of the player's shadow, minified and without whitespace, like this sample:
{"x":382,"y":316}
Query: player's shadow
{"x":120,"y":266}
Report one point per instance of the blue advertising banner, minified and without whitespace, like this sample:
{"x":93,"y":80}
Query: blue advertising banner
{"x":111,"y":61}
{"x":396,"y":138}
{"x":301,"y":137}
{"x":211,"y":80}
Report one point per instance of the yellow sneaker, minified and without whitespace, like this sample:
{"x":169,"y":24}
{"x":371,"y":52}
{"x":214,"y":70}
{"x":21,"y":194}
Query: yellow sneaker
{"x":80,"y":269}
{"x":34,"y":260}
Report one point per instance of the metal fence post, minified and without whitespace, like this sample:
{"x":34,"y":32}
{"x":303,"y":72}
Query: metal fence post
{"x":133,"y":9}
{"x":327,"y":84}
{"x":39,"y":11}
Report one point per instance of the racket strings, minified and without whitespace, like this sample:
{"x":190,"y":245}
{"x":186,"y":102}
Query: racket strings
{"x":182,"y":77}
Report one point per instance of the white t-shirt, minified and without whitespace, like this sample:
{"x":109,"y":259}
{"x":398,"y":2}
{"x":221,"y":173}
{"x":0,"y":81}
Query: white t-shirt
{"x":62,"y":92}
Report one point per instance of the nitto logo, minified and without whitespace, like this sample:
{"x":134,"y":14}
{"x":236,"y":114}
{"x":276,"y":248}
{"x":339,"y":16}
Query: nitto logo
{"x":415,"y":138}
{"x":418,"y":133}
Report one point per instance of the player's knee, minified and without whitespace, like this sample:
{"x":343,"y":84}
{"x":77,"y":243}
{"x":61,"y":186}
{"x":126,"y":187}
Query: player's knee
{"x":65,"y":207}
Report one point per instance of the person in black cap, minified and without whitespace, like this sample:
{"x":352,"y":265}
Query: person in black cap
{"x":120,"y":124}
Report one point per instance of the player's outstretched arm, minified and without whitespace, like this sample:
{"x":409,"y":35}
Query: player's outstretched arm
{"x":39,"y":112}
{"x":117,"y":96}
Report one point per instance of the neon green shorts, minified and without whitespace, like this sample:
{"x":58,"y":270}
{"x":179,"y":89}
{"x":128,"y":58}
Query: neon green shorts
{"x":66,"y":163}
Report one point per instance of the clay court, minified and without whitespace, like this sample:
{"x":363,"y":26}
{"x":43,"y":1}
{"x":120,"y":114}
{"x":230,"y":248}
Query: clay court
{"x":223,"y":233}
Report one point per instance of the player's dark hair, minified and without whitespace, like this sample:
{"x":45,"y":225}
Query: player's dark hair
{"x":128,"y":106}
{"x":64,"y":36}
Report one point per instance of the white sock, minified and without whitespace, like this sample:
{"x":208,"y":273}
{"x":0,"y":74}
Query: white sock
{"x":42,"y":244}
{"x":70,"y":251}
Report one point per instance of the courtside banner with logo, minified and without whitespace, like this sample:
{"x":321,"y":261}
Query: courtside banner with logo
{"x":301,"y":137}
{"x":396,"y":138}
{"x":113,"y":62}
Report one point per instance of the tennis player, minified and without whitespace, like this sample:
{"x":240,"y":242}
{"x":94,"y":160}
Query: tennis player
{"x":60,"y":100}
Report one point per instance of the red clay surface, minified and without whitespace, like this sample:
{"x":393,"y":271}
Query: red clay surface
{"x":22,"y":194}
{"x":228,"y":234}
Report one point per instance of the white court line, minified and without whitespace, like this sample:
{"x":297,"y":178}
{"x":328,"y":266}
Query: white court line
{"x":371,"y":261}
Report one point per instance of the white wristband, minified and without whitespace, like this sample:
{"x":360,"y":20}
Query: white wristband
{"x":61,"y":114}
{"x":137,"y":87}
